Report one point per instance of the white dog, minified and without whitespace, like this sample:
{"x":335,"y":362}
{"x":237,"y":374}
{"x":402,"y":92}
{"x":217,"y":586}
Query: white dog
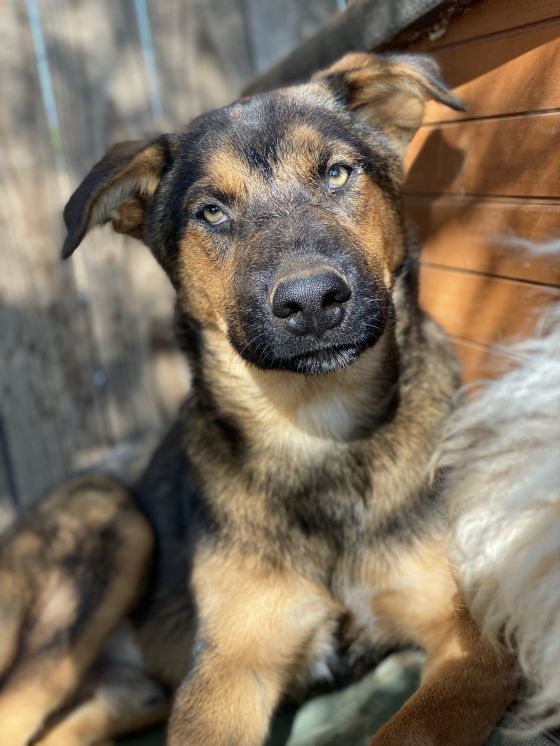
{"x":503,"y":455}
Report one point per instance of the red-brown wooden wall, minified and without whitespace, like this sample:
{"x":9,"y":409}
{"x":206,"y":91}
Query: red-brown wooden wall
{"x":484,"y":186}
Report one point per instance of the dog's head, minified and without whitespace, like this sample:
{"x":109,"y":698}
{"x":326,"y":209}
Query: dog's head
{"x":277,"y":218}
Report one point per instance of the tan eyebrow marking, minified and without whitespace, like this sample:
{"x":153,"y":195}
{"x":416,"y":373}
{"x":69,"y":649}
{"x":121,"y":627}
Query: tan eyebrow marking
{"x":229,"y":172}
{"x":299,"y":152}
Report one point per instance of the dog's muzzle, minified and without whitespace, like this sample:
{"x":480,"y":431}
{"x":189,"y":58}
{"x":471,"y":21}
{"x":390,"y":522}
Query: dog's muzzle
{"x":305,"y":300}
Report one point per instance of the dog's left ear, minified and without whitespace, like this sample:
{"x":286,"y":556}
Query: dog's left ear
{"x":389,"y":91}
{"x":119,"y":188}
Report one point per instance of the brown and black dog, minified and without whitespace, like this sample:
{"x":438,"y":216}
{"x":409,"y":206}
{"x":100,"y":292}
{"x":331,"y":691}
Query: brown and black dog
{"x":285,"y":533}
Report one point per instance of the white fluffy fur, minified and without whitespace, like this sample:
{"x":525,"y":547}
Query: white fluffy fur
{"x":503,"y":451}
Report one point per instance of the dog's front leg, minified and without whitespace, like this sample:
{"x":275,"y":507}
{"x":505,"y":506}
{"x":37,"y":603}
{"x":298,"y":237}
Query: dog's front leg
{"x":258,"y":629}
{"x":466,"y":687}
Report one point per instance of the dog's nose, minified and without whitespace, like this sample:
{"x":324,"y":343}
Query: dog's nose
{"x":310,"y":303}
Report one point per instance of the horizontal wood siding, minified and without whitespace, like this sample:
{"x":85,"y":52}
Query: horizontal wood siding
{"x":483,"y":186}
{"x":481,"y":308}
{"x":480,"y":362}
{"x":507,"y":157}
{"x":488,"y":17}
{"x":516,"y":239}
{"x":504,"y":74}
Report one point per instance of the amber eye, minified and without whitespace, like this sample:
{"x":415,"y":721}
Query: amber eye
{"x":338,"y":176}
{"x":213,"y":214}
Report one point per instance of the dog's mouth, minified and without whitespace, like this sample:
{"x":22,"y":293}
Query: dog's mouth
{"x":326,"y":359}
{"x":322,"y":361}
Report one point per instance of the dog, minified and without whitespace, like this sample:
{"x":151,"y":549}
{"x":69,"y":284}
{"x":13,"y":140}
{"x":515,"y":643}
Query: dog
{"x":285,"y":535}
{"x":503,"y":494}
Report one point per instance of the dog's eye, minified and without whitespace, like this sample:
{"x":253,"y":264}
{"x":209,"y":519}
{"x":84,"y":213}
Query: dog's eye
{"x":338,"y":176}
{"x":213,"y":214}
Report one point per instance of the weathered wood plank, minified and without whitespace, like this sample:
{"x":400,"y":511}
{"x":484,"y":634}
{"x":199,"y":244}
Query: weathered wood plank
{"x":202,"y":53}
{"x":480,"y":362}
{"x":514,"y":239}
{"x":48,"y":407}
{"x":111,"y":92}
{"x":504,"y":74}
{"x":483,"y":309}
{"x":486,"y":17}
{"x":276,"y":28}
{"x":492,"y":157}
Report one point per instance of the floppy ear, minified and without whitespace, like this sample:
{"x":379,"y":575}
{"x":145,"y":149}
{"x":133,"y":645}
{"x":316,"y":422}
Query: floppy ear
{"x":118,"y":188}
{"x":389,"y":91}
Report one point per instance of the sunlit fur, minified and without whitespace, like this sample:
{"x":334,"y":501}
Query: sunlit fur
{"x":504,"y":500}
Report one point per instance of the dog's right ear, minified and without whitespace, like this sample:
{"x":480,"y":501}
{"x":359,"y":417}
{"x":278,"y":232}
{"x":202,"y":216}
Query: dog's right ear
{"x":389,"y":91}
{"x":119,"y":188}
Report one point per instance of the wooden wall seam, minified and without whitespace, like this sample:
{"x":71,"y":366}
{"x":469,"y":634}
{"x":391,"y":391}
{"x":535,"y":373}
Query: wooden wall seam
{"x":489,"y":18}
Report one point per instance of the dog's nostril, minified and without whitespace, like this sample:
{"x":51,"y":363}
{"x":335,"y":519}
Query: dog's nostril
{"x":329,"y":299}
{"x":333,"y":297}
{"x":285,"y":310}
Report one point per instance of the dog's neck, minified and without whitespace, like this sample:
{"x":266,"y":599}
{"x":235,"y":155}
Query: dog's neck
{"x":336,"y":406}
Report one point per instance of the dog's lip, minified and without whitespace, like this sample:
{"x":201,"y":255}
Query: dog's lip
{"x":334,"y":357}
{"x":324,"y":351}
{"x":355,"y":346}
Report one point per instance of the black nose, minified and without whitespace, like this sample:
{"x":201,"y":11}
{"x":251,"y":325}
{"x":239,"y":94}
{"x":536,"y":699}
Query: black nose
{"x":310,"y":303}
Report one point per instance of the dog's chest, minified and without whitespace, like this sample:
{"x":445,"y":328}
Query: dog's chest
{"x":321,"y":488}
